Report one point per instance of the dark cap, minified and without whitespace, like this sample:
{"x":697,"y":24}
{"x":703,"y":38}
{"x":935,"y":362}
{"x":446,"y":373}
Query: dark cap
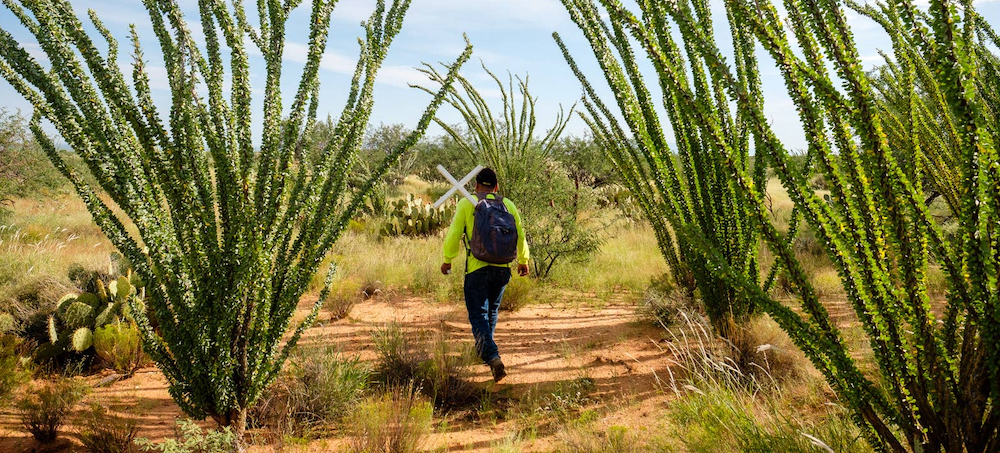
{"x":487,"y":177}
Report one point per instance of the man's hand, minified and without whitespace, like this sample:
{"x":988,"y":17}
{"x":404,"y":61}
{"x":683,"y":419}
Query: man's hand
{"x":522,"y":270}
{"x":446,"y":268}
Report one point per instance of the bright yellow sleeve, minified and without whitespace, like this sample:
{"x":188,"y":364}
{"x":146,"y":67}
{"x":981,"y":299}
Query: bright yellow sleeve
{"x":453,"y":240}
{"x":523,"y":254}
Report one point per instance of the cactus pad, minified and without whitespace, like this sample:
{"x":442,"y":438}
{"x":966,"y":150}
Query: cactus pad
{"x":78,"y":314}
{"x":83,"y":339}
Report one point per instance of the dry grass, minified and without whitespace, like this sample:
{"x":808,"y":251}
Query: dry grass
{"x":729,"y":406}
{"x":627,"y":262}
{"x":43,"y":238}
{"x":396,"y":422}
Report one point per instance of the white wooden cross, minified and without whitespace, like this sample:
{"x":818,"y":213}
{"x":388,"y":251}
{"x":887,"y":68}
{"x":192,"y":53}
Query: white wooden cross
{"x":458,"y":185}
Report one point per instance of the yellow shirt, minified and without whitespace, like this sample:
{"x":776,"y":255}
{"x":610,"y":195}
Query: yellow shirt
{"x":462,"y":225}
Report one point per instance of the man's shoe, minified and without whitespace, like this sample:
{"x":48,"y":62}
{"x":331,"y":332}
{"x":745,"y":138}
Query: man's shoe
{"x":496,"y":365}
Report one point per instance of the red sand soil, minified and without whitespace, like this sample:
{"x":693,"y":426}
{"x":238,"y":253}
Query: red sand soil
{"x":542,"y":345}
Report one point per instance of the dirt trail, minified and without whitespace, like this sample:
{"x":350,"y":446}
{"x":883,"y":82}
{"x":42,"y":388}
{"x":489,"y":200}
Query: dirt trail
{"x":542,"y":345}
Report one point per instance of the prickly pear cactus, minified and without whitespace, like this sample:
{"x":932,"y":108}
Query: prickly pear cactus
{"x":411,"y":216}
{"x":78,"y":316}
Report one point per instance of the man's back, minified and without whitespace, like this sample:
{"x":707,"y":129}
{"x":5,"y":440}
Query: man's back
{"x":462,"y":225}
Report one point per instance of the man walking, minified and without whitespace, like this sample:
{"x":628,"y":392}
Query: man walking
{"x":492,"y":230}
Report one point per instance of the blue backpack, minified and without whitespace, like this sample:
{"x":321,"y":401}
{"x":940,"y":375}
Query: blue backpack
{"x":494,"y":231}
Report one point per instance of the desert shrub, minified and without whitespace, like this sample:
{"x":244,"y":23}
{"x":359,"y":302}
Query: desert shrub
{"x":191,"y":438}
{"x":103,"y":432}
{"x":395,"y":422}
{"x":44,"y":410}
{"x":734,"y":394}
{"x":664,"y":304}
{"x":341,"y":300}
{"x":584,"y":161}
{"x":12,"y":369}
{"x":317,"y":389}
{"x":120,"y":346}
{"x":569,"y":398}
{"x":442,"y":150}
{"x":756,"y":355}
{"x":23,"y":166}
{"x":722,"y":419}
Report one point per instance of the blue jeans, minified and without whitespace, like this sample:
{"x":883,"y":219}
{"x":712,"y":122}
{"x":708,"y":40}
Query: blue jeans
{"x":483,"y":293}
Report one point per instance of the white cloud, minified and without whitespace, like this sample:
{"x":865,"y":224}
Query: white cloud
{"x":400,"y":76}
{"x":331,"y":61}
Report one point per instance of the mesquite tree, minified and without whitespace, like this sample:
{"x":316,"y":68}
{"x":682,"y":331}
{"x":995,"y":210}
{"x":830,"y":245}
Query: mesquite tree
{"x":936,"y":362}
{"x":226,"y":234}
{"x":689,"y":186}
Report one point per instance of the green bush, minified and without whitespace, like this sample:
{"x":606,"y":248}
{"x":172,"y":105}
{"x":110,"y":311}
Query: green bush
{"x":722,"y":420}
{"x":190,"y":438}
{"x":519,"y":293}
{"x":31,"y":304}
{"x":445,"y":375}
{"x":24,"y":168}
{"x":584,"y":439}
{"x":102,"y":432}
{"x":45,"y":409}
{"x":120,"y":346}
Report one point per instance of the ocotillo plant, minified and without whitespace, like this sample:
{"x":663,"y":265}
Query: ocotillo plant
{"x":936,"y":361}
{"x":229,"y":233}
{"x":557,"y":223}
{"x":499,"y":141}
{"x":938,"y":159}
{"x":676,"y":188}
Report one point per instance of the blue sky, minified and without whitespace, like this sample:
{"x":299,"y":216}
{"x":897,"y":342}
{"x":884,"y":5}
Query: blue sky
{"x":508,"y":35}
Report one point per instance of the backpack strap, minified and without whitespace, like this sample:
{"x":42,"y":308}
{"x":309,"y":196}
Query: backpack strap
{"x":496,"y":198}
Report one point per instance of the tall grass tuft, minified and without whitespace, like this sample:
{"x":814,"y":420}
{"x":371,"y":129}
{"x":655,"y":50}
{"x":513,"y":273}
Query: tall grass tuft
{"x":733,"y":398}
{"x":316,"y":391}
{"x":395,"y":422}
{"x":440,"y":368}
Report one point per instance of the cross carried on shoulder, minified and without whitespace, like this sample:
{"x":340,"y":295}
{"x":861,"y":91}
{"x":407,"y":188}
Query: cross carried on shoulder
{"x":457,"y":185}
